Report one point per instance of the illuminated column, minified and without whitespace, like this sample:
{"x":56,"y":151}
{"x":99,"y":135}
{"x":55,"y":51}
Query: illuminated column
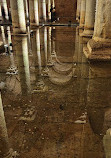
{"x":89,"y":18}
{"x":78,"y":10}
{"x":49,"y":7}
{"x":12,"y":69}
{"x":3,"y":35}
{"x":21,"y":50}
{"x":53,"y":3}
{"x":26,"y":10}
{"x":34,"y":12}
{"x":82,"y":14}
{"x":99,"y":48}
{"x":44,"y":10}
{"x":40,"y":10}
{"x":4,"y":3}
{"x":107,"y":143}
{"x":5,"y":151}
{"x":18,"y":16}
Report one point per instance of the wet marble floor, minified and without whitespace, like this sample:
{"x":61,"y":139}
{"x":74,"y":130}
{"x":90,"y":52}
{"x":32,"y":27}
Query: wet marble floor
{"x":56,"y":104}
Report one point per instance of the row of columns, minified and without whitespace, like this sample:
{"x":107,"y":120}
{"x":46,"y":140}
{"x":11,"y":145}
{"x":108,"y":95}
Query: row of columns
{"x":94,"y":17}
{"x":21,"y":10}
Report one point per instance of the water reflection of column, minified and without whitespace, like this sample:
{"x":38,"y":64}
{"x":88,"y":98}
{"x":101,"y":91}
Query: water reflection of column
{"x":44,"y":10}
{"x":76,"y":47}
{"x":50,"y":63}
{"x":40,"y":86}
{"x":5,"y":151}
{"x":38,"y":50}
{"x":95,"y":99}
{"x":21,"y":48}
{"x":45,"y":43}
{"x":45,"y":71}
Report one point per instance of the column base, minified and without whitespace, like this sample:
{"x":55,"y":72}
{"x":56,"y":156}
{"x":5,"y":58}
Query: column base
{"x":34,"y":25}
{"x":80,"y":27}
{"x":83,"y":34}
{"x":98,"y":50}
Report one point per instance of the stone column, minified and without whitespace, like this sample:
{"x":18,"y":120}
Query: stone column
{"x":18,"y":16}
{"x":44,"y":10}
{"x":53,"y":3}
{"x":82,"y":14}
{"x":5,"y":151}
{"x":78,"y":10}
{"x":89,"y":18}
{"x":99,"y":48}
{"x":40,"y":11}
{"x":49,"y":7}
{"x":34,"y":12}
{"x":4,"y":3}
{"x":26,"y":11}
{"x":107,"y":143}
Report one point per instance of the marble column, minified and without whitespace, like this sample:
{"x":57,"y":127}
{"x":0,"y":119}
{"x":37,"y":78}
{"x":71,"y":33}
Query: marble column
{"x":49,"y":7}
{"x":34,"y":12}
{"x":82,"y":14}
{"x":5,"y":151}
{"x":18,"y":16}
{"x":99,"y":48}
{"x":44,"y":10}
{"x":78,"y":10}
{"x":89,"y":18}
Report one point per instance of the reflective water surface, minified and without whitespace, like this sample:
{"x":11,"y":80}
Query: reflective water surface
{"x":54,"y":103}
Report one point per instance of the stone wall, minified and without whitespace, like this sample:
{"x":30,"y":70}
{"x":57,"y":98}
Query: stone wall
{"x":66,"y":10}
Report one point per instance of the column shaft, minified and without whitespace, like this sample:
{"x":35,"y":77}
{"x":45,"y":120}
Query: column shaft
{"x":18,"y":16}
{"x":89,"y":18}
{"x":34,"y":12}
{"x":44,"y":10}
{"x":78,"y":10}
{"x":49,"y":7}
{"x":82,"y":14}
{"x":4,"y":2}
{"x":4,"y":143}
{"x":26,"y":11}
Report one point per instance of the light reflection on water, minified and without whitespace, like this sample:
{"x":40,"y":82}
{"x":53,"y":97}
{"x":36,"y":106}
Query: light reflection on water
{"x":56,"y":104}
